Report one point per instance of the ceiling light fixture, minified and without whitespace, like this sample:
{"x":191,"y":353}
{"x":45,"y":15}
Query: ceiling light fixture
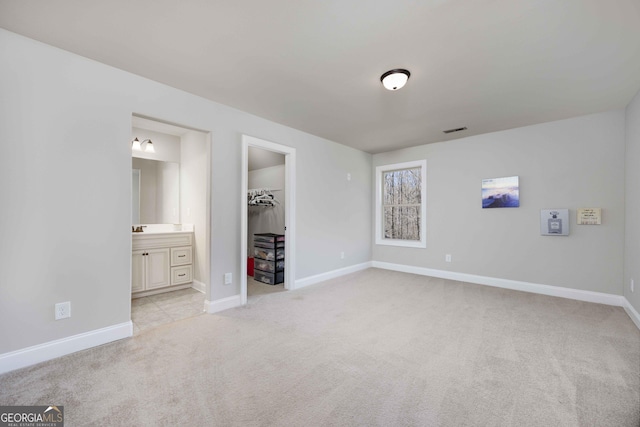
{"x":395,"y":79}
{"x":136,"y":145}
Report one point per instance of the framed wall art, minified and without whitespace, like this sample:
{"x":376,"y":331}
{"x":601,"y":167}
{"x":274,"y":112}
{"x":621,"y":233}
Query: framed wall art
{"x":501,"y":192}
{"x":589,"y":216}
{"x":554,"y":222}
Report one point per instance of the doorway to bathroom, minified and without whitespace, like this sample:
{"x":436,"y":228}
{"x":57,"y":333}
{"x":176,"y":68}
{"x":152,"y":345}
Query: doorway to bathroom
{"x":268,"y":218}
{"x":171,"y":206}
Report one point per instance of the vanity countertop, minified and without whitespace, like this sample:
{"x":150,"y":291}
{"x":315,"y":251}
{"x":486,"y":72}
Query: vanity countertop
{"x":156,"y":232}
{"x":161,"y":238}
{"x":167,"y":229}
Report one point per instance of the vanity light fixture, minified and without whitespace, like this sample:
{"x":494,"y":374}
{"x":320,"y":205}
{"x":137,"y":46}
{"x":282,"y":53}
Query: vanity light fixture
{"x":136,"y":145}
{"x":395,"y":79}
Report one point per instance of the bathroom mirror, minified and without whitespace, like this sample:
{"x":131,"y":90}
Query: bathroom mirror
{"x":135,"y":195}
{"x":156,"y":194}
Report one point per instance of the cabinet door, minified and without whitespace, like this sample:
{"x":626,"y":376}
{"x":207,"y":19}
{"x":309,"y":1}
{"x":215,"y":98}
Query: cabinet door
{"x":137,"y":271}
{"x":158,"y":268}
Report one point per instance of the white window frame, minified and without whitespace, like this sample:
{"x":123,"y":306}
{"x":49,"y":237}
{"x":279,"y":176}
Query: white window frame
{"x":380,"y":170}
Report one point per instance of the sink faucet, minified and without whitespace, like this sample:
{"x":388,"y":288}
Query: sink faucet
{"x":138,"y":229}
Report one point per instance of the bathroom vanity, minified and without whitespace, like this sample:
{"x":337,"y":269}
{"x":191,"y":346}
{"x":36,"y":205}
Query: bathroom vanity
{"x":161,"y":260}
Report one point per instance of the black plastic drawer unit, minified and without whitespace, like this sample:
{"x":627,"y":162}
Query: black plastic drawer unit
{"x":269,"y":278}
{"x":268,"y":251}
{"x":268,"y":237}
{"x":269,"y":254}
{"x":269,"y":266}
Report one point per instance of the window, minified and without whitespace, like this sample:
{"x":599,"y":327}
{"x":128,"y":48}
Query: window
{"x":401,"y":204}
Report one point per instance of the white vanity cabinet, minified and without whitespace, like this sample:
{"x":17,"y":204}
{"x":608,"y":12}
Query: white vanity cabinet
{"x":161,"y":262}
{"x":149,"y":269}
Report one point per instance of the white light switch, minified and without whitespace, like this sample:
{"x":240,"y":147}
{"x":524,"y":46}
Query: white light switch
{"x":227,"y":278}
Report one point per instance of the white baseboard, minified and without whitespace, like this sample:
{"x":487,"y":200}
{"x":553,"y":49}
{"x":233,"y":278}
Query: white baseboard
{"x":199,"y":286}
{"x":223,"y":304}
{"x":556,"y":291}
{"x":633,"y":314}
{"x":312,"y":280}
{"x":53,"y":349}
{"x":236,"y":300}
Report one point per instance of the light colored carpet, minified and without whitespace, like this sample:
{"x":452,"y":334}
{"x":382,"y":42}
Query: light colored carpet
{"x":372,"y":348}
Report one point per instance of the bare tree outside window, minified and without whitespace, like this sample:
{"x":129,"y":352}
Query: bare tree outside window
{"x":402,"y":204}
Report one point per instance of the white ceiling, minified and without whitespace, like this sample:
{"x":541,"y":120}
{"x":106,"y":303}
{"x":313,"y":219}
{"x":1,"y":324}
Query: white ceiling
{"x":315,"y":65}
{"x":260,"y":159}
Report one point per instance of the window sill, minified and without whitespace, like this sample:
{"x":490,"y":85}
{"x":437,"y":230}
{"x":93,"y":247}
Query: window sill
{"x":403,"y":243}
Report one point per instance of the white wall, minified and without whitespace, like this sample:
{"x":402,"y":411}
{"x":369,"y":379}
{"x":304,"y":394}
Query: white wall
{"x":194,"y":172}
{"x":632,"y":195}
{"x":330,"y":221}
{"x":570,"y":164}
{"x":69,"y":239}
{"x":266,"y":219}
{"x":167,"y":147}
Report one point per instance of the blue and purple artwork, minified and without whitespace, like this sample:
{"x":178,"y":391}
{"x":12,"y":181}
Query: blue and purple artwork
{"x":500,"y":192}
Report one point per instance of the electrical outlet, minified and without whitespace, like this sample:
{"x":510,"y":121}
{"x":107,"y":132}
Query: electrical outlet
{"x":227,"y":278}
{"x":63,"y":310}
{"x":341,"y":255}
{"x":348,"y":177}
{"x":447,"y":257}
{"x":631,"y":286}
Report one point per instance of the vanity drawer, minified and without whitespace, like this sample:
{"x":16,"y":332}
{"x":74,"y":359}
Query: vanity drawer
{"x":182,"y":274}
{"x":181,"y":256}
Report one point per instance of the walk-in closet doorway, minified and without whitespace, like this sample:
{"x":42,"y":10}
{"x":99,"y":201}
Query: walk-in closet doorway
{"x":265,"y":193}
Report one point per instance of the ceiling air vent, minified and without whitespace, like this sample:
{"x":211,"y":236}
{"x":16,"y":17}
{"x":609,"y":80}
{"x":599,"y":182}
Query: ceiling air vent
{"x":454,"y":130}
